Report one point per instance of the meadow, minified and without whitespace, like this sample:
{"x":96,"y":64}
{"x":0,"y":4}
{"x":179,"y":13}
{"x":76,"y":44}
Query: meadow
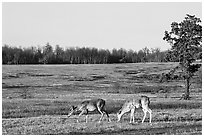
{"x":37,"y":98}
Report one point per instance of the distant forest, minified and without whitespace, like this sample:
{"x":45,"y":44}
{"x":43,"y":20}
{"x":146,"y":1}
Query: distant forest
{"x":75,"y":55}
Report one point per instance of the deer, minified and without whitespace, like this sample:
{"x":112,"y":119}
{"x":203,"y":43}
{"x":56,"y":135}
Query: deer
{"x":88,"y":106}
{"x":130,"y":105}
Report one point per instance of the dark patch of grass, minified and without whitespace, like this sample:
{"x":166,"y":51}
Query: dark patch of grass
{"x":40,"y":110}
{"x":133,"y":72}
{"x":15,"y":86}
{"x":176,"y":105}
{"x":62,"y":108}
{"x":40,"y":75}
{"x":154,"y":77}
{"x":135,"y":89}
{"x":114,"y":107}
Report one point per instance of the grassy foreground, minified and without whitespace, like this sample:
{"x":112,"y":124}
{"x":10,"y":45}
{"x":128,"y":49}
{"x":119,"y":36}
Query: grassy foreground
{"x":36,"y":99}
{"x":169,"y":122}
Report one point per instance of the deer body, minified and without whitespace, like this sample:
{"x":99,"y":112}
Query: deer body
{"x":88,"y":106}
{"x":131,"y":105}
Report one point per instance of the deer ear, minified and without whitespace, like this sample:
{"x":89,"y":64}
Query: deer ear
{"x":73,"y":107}
{"x":119,"y":111}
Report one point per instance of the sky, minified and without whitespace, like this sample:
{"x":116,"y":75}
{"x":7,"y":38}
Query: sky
{"x":103,"y":25}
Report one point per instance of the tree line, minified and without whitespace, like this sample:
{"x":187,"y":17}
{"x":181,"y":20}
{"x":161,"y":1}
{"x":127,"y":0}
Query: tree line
{"x":75,"y":55}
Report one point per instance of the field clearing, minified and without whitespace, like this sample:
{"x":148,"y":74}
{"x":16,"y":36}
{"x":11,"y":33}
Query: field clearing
{"x":36,"y":99}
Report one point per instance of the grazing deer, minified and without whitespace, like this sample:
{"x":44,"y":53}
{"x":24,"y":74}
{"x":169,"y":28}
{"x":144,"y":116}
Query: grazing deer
{"x":130,"y":106}
{"x":90,"y":105}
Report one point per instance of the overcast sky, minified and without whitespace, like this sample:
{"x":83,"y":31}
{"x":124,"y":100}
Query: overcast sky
{"x":102,"y":25}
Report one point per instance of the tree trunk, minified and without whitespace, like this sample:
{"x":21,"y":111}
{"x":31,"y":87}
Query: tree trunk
{"x":187,"y":93}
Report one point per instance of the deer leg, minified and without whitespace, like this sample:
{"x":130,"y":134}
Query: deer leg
{"x":145,"y":113}
{"x":86,"y":116}
{"x":132,"y":115}
{"x":82,"y":112}
{"x":150,"y":115}
{"x":107,"y":115}
{"x":102,"y":114}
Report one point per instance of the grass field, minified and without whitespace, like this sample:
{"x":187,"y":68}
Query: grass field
{"x":36,"y":99}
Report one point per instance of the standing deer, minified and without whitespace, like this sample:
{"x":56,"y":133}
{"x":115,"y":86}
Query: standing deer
{"x":90,"y":105}
{"x":130,"y":106}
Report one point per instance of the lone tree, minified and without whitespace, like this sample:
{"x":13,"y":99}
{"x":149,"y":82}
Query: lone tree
{"x":186,"y":41}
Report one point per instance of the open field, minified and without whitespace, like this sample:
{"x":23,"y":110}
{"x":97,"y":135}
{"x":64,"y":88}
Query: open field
{"x":36,"y":99}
